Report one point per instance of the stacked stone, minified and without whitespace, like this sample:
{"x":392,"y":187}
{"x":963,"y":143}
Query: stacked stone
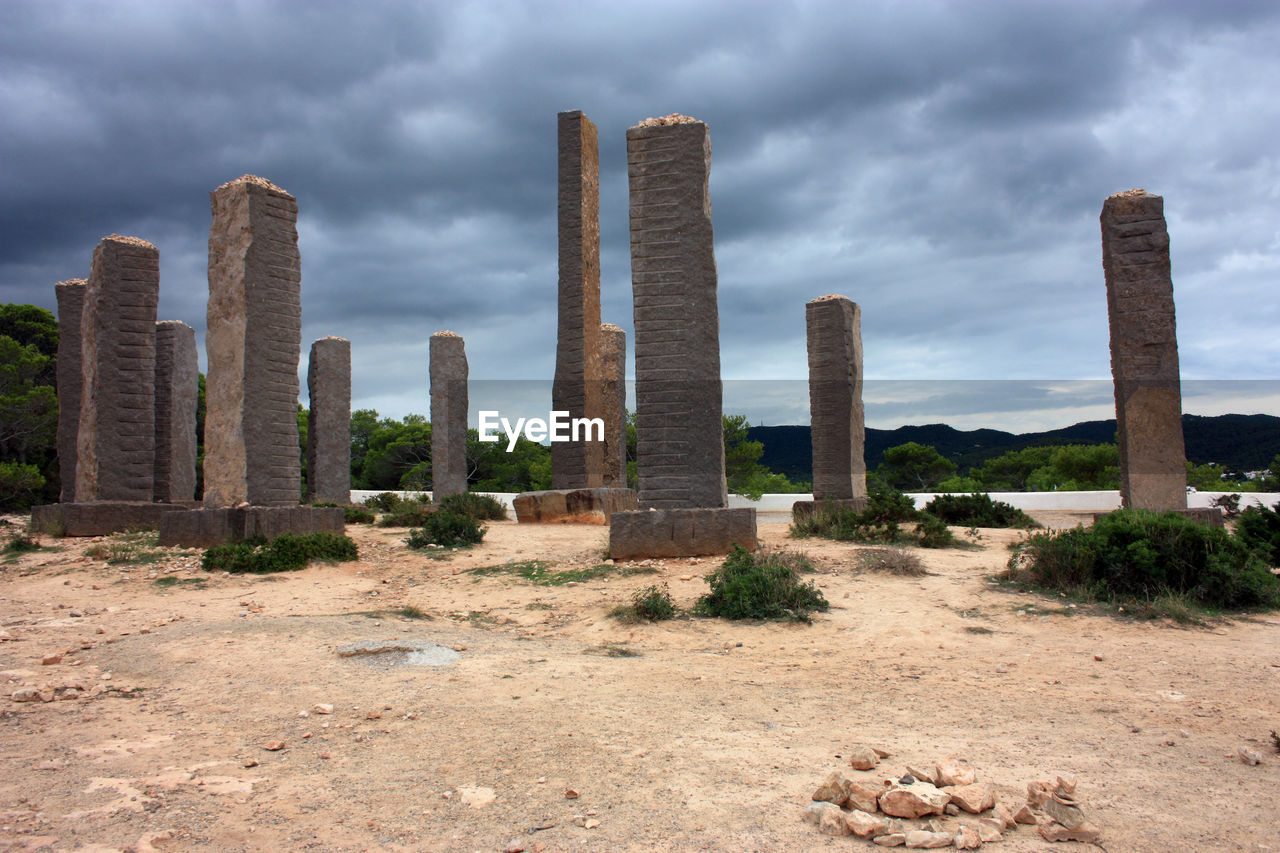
{"x":254,"y":341}
{"x":329,"y":422}
{"x":613,"y":367}
{"x":176,"y":400}
{"x":70,"y":376}
{"x":448,"y":414}
{"x":1144,"y":351}
{"x":833,"y":329}
{"x":115,"y":456}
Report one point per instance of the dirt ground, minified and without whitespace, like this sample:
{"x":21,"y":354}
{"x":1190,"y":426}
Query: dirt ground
{"x":694,"y":734}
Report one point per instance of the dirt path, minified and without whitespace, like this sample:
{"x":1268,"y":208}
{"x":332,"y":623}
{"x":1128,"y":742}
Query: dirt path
{"x":694,"y":734}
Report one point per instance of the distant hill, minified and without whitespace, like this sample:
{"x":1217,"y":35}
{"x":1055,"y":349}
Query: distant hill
{"x":1237,"y":442}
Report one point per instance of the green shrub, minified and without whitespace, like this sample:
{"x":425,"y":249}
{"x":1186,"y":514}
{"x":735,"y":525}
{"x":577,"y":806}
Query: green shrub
{"x":20,"y":544}
{"x":978,"y":510}
{"x":881,"y":522}
{"x":357,"y":515}
{"x":446,"y":529}
{"x":410,"y":513}
{"x":286,"y":553}
{"x":474,"y":504}
{"x":762,"y":586}
{"x":384,"y":501}
{"x":1259,"y":528}
{"x":20,"y":486}
{"x":1135,"y":554}
{"x":651,"y":604}
{"x":894,"y":561}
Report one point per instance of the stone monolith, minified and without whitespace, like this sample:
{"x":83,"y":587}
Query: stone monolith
{"x":70,"y":296}
{"x":576,"y":388}
{"x":115,"y":455}
{"x":254,"y":341}
{"x":329,"y":422}
{"x":613,"y":369}
{"x":448,"y":414}
{"x":1144,"y":351}
{"x":834,"y":335}
{"x":176,"y":399}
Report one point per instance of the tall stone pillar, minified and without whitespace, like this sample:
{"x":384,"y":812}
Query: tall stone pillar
{"x":329,"y":422}
{"x":680,"y":451}
{"x":576,"y":388}
{"x":833,"y":327}
{"x":254,"y":341}
{"x":116,"y":435}
{"x":448,"y":414}
{"x":70,"y":376}
{"x":177,"y":392}
{"x":1144,"y":351}
{"x":613,"y":368}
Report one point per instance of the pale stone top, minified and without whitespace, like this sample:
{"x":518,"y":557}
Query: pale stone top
{"x":830,"y":297}
{"x":171,"y":323}
{"x":332,"y":338}
{"x":446,"y":334}
{"x":610,"y":327}
{"x":1134,"y":193}
{"x":72,"y":282}
{"x":257,"y":181}
{"x":674,"y":118}
{"x":128,"y":241}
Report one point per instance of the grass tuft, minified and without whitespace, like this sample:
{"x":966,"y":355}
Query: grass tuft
{"x":651,"y":604}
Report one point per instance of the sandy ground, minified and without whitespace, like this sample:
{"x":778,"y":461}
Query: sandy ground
{"x":694,"y":734}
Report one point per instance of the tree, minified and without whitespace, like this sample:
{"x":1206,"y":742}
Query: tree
{"x":28,"y":405}
{"x":914,"y":467}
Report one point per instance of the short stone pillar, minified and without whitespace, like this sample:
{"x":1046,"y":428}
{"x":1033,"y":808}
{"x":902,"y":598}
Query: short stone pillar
{"x":680,"y":431}
{"x":177,"y":398}
{"x":329,"y":422}
{"x":115,"y":457}
{"x":1144,"y":352}
{"x":613,"y":367}
{"x":833,"y":328}
{"x":254,"y":341}
{"x":448,"y":414}
{"x":70,"y":376}
{"x":576,"y":388}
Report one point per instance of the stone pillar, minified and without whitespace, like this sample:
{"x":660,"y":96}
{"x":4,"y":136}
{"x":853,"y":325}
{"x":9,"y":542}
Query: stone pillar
{"x":70,"y":376}
{"x":329,"y":422}
{"x":1144,"y":351}
{"x":177,"y":393}
{"x":613,"y":369}
{"x":576,"y":388}
{"x":680,"y":455}
{"x":116,"y":435}
{"x":448,"y":414}
{"x":254,"y":341}
{"x":833,"y":327}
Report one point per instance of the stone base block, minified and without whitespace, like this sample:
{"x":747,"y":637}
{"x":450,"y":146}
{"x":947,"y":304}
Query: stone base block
{"x":100,"y":518}
{"x":1209,"y":515}
{"x":680,"y":532}
{"x":801,"y":509}
{"x":203,"y":528}
{"x":584,"y":506}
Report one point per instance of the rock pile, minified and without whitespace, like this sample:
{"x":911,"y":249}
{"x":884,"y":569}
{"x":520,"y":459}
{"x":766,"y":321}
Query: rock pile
{"x":920,"y":809}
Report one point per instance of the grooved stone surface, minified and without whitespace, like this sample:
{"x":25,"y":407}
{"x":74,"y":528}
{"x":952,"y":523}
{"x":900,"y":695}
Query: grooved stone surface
{"x":70,"y":377}
{"x":329,"y":421}
{"x":680,"y":532}
{"x":1144,"y":351}
{"x":448,"y":414}
{"x":680,"y":456}
{"x":254,"y":340}
{"x":613,"y":366}
{"x":99,"y":518}
{"x":576,"y":388}
{"x":177,"y":393}
{"x":115,"y":455}
{"x":833,"y":328}
{"x":203,"y":528}
{"x":586,"y":506}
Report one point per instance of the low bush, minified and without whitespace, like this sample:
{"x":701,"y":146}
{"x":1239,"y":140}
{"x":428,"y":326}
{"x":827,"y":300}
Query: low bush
{"x":651,"y":604}
{"x":894,"y":561}
{"x":759,"y":586}
{"x":384,"y":501}
{"x":1259,"y":528}
{"x":474,"y":504}
{"x":445,"y":529}
{"x":286,"y":553}
{"x":1144,"y":556}
{"x":352,"y":514}
{"x":410,"y":513}
{"x":978,"y":510}
{"x":20,"y":543}
{"x":882,"y":522}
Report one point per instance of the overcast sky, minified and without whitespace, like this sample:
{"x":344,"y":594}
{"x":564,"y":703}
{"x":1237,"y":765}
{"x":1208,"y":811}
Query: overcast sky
{"x":941,"y":164}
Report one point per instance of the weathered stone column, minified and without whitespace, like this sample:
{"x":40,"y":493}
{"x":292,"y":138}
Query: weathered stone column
{"x":70,"y":377}
{"x":254,"y":341}
{"x":329,"y":422}
{"x":833,"y":327}
{"x":448,"y":414}
{"x":116,"y":436}
{"x":613,"y":368}
{"x":576,"y":388}
{"x":680,"y":454}
{"x":1144,"y":351}
{"x":177,"y":393}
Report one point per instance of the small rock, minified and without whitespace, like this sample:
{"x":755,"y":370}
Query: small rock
{"x":990,"y":829}
{"x":1025,"y":815}
{"x":1097,"y":657}
{"x":1054,"y":831}
{"x":881,"y":753}
{"x":862,"y":797}
{"x":893,"y":839}
{"x":1004,"y":815}
{"x":967,"y":838}
{"x":1248,"y":756}
{"x":515,"y":845}
{"x":956,"y":771}
{"x":1066,"y":786}
{"x":915,"y":800}
{"x":25,"y":694}
{"x":273,"y":745}
{"x":834,"y":790}
{"x":974,"y":798}
{"x":322,"y":708}
{"x":927,"y":773}
{"x":570,"y":794}
{"x":1037,"y":793}
{"x":925,"y":840}
{"x":1068,"y":814}
{"x":250,"y":762}
{"x":592,"y":823}
{"x":50,"y":660}
{"x":863,"y":757}
{"x":828,"y":817}
{"x":952,"y":810}
{"x":865,"y":825}
{"x":373,"y":715}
